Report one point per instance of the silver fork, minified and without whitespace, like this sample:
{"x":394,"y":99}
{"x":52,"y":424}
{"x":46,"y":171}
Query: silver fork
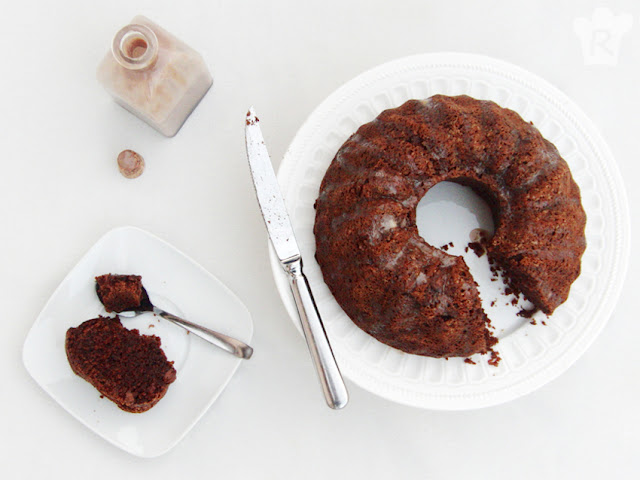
{"x":220,"y":340}
{"x":225,"y":342}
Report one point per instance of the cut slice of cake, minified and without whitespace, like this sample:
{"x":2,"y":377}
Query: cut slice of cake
{"x":128,"y":368}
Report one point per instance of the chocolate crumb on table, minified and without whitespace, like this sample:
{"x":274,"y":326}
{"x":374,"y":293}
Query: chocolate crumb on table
{"x":469,"y":361}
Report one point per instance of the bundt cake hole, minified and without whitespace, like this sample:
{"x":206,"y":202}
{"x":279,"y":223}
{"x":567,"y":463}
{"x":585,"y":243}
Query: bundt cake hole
{"x":451,"y":210}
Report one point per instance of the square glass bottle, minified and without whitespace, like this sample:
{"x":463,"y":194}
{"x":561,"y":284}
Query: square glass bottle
{"x":154,"y":75}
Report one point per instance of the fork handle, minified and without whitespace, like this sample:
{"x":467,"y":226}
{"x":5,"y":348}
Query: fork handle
{"x":225,"y":342}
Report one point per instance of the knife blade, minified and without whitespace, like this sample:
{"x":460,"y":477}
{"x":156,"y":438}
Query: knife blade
{"x":284,"y":243}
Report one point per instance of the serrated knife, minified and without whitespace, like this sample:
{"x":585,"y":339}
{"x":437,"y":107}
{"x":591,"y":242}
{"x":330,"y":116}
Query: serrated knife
{"x":284,"y":243}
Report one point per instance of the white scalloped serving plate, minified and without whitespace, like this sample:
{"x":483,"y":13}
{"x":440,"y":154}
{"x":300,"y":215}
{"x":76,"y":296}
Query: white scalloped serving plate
{"x":532,"y":355}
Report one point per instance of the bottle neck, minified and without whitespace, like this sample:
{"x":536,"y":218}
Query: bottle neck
{"x":135,"y":47}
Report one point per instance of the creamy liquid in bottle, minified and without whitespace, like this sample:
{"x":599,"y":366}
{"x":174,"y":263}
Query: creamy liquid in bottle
{"x":154,"y":75}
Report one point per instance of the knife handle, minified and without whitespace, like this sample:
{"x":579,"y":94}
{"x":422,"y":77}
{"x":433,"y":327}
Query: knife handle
{"x":333,"y":387}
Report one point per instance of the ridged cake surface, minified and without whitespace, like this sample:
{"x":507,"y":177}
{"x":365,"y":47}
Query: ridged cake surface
{"x":387,"y":278}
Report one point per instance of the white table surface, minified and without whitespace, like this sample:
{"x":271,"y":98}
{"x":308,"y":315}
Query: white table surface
{"x":61,"y":191}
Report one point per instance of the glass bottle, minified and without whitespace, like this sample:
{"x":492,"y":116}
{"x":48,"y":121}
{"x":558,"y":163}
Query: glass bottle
{"x":154,"y":75}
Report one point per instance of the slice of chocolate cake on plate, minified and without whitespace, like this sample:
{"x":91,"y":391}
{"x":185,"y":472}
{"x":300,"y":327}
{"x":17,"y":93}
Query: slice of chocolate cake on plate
{"x":128,"y":368}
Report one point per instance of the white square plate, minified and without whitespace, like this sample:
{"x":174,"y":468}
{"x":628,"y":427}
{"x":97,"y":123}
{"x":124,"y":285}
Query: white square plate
{"x":174,"y":282}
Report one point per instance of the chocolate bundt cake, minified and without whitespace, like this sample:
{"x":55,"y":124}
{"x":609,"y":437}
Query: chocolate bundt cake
{"x":128,"y":368}
{"x":407,"y":293}
{"x":119,"y":292}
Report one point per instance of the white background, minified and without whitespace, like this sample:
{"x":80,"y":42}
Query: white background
{"x":61,"y":191}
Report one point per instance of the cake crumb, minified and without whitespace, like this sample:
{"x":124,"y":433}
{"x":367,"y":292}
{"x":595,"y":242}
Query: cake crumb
{"x":477,"y":248}
{"x":494,"y":360}
{"x":524,"y":313}
{"x":469,"y":361}
{"x":251,"y":121}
